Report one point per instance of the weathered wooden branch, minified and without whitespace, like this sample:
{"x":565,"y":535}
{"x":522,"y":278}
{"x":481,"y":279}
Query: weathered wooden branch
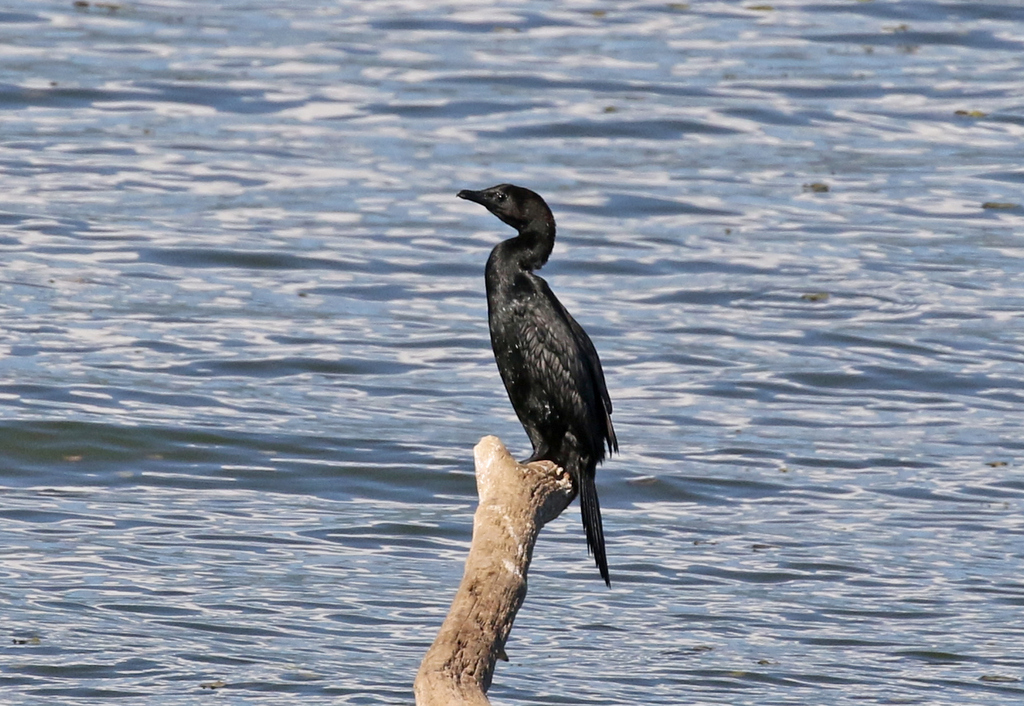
{"x":515,"y":502}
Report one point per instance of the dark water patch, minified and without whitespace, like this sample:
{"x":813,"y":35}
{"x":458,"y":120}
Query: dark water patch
{"x":699,"y":266}
{"x":650,"y":573}
{"x":88,"y":692}
{"x":782,"y":421}
{"x":60,"y":227}
{"x":268,"y":368}
{"x":39,"y":516}
{"x":19,"y":18}
{"x":451,"y":110}
{"x":274,"y":151}
{"x":670,"y":488}
{"x":459,"y":343}
{"x":37,"y":328}
{"x":764,"y":392}
{"x":219,"y":177}
{"x":730,"y":490}
{"x":291,"y":340}
{"x":887,"y":614}
{"x":937,"y":657}
{"x":226,"y":630}
{"x":862,"y":464}
{"x":29,"y":396}
{"x":171,"y":348}
{"x":928,"y":495}
{"x":226,"y":660}
{"x":821,"y":89}
{"x":84,"y":670}
{"x":384,"y":536}
{"x":14,"y":97}
{"x":845,"y":642}
{"x":75,"y":453}
{"x":48,"y":445}
{"x":1012,"y":176}
{"x":1009,"y":119}
{"x":221,"y":97}
{"x":817,"y":567}
{"x":442,"y":271}
{"x":282,"y":260}
{"x":265,"y":260}
{"x":523,"y":21}
{"x":535,"y":82}
{"x":766,"y":116}
{"x":624,"y":205}
{"x":1011,"y":596}
{"x":851,"y":341}
{"x":108,"y":151}
{"x":977,"y":39}
{"x":246,"y":543}
{"x":940,"y":383}
{"x":9,"y":219}
{"x":755,"y":576}
{"x":634,"y":129}
{"x":1012,"y":484}
{"x":926,"y":11}
{"x":685,"y":360}
{"x":702,"y":297}
{"x":993,"y":491}
{"x":160,"y":610}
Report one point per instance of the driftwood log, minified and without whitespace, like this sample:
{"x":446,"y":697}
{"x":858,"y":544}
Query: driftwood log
{"x":515,"y":502}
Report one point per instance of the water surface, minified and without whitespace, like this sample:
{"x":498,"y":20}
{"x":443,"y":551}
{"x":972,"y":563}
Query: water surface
{"x":244,"y":355}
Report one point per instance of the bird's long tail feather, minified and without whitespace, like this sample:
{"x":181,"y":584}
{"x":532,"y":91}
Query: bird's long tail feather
{"x":591,"y":510}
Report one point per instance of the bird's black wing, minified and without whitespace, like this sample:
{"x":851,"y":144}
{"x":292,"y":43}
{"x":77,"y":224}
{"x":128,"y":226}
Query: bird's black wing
{"x":597,"y":377}
{"x":568,"y":356}
{"x":570,"y":371}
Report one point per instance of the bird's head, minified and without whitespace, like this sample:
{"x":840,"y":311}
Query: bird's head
{"x":514,"y":205}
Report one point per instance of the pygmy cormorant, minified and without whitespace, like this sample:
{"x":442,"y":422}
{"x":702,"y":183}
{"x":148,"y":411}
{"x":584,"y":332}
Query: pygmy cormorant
{"x":547,"y":362}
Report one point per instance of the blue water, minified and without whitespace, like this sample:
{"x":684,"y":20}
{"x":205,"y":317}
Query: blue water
{"x":244,"y":355}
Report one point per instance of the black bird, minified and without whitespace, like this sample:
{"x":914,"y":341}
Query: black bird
{"x":547,"y":361}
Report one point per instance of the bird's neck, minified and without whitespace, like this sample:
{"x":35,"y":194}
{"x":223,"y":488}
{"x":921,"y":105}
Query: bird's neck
{"x":532,"y":247}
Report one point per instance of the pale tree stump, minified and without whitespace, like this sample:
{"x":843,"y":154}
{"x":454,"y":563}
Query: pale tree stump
{"x":515,"y":502}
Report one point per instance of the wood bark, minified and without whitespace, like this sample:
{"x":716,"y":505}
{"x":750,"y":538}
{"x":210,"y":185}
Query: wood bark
{"x":516,"y":500}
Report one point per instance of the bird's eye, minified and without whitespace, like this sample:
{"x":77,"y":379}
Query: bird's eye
{"x":500,"y":196}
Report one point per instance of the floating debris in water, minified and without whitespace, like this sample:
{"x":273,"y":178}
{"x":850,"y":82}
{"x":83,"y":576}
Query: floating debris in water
{"x":816,"y":187}
{"x":815,"y":297}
